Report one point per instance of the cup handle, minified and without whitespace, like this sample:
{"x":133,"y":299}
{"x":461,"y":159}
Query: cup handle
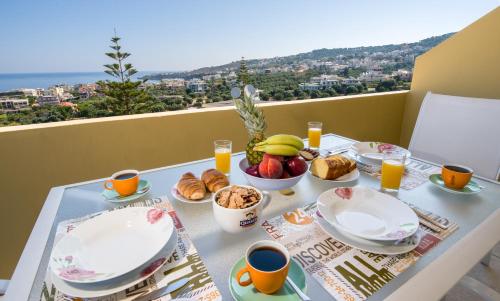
{"x":452,"y":180}
{"x":240,"y":273}
{"x":267,"y":198}
{"x":106,"y":186}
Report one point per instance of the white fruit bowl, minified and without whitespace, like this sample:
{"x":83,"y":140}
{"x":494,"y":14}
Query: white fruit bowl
{"x":268,"y":184}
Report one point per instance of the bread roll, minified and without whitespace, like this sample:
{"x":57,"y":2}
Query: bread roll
{"x":333,"y":167}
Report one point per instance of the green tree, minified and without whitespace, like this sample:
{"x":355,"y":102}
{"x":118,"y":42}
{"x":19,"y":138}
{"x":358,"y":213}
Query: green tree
{"x":123,"y":96}
{"x":243,"y":76}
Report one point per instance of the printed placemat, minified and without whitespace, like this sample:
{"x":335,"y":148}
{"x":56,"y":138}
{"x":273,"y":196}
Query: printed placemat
{"x":184,"y":262}
{"x":345,"y":272}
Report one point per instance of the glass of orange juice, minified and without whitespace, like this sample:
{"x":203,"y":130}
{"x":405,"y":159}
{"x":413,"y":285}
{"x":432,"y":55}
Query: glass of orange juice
{"x":223,"y":156}
{"x":393,"y":168}
{"x":314,"y":133}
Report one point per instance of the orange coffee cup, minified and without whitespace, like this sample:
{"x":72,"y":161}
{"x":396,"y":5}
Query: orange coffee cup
{"x":267,"y":264}
{"x":456,"y":176}
{"x":124,"y":182}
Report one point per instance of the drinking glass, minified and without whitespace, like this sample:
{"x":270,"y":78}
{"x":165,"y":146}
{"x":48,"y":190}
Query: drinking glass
{"x":314,"y":133}
{"x":393,"y":168}
{"x":223,"y":156}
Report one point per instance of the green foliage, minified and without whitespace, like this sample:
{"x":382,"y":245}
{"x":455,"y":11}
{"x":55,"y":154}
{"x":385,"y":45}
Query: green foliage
{"x":124,"y":97}
{"x":41,"y":114}
{"x":386,"y":85}
{"x":243,"y":76}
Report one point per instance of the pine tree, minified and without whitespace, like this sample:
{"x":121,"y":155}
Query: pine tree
{"x":243,"y":77}
{"x":124,"y":96}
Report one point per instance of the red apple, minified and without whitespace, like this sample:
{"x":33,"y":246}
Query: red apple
{"x":285,"y":175}
{"x":296,"y":166}
{"x":253,"y":171}
{"x":270,"y":168}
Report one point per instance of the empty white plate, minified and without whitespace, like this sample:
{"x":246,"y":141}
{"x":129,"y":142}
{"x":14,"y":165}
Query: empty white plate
{"x":367,"y":213}
{"x":378,"y":247}
{"x":111,"y":244}
{"x":118,"y":284}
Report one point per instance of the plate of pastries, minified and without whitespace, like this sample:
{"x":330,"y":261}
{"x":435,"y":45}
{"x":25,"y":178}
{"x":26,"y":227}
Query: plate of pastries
{"x":335,"y":168}
{"x":191,"y":189}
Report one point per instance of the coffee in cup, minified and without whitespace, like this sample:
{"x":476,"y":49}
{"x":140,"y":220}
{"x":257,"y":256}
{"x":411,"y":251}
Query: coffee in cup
{"x":267,"y":264}
{"x":124,"y":182}
{"x":456,"y":176}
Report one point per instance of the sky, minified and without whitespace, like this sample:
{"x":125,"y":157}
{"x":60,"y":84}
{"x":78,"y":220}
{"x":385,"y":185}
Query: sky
{"x":174,"y":35}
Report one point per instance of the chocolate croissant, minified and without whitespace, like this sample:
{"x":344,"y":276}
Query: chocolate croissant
{"x":214,"y":180}
{"x":191,"y":187}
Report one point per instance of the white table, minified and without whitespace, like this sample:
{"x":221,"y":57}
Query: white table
{"x":429,"y":279}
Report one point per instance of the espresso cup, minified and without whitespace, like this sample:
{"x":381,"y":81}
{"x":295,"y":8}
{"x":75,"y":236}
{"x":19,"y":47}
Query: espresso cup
{"x":456,"y":176}
{"x":238,"y":220}
{"x":266,"y":263}
{"x":124,"y":182}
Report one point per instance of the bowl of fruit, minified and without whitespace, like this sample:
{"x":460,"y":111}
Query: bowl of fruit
{"x":281,"y":166}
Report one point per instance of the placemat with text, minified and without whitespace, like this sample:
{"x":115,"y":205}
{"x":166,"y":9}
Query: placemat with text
{"x":345,"y":272}
{"x":184,"y":262}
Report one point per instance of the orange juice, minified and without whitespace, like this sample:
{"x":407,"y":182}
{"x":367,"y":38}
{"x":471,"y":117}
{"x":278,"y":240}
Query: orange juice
{"x":223,"y":160}
{"x":314,"y":137}
{"x":392,"y":172}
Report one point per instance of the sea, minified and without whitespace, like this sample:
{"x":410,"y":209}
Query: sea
{"x":13,"y":81}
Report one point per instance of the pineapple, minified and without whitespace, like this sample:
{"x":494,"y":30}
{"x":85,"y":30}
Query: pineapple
{"x":255,"y":123}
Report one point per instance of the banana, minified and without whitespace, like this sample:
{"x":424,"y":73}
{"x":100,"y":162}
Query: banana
{"x":283,"y":139}
{"x":277,"y":149}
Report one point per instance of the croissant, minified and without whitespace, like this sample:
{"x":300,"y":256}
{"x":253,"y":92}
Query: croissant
{"x":214,"y":180}
{"x":191,"y":187}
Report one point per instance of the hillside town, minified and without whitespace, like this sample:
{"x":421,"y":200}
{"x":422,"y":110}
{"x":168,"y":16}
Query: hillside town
{"x":316,"y":74}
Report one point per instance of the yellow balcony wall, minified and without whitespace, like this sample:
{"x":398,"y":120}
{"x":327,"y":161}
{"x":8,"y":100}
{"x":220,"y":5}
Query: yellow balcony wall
{"x":466,"y":64}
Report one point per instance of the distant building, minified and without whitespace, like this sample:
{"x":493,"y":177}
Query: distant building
{"x":325,"y":81}
{"x":309,"y":86}
{"x":32,"y":92}
{"x":403,"y":74}
{"x":211,"y":76}
{"x":47,"y":100}
{"x":55,"y":91}
{"x":350,"y":81}
{"x":173,"y":83}
{"x":372,"y":76}
{"x":196,"y":85}
{"x":11,"y":105}
{"x":69,"y":105}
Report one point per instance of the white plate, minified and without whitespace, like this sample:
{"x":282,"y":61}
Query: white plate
{"x":176,"y":194}
{"x":367,"y":213}
{"x":94,"y":290}
{"x":371,"y":152}
{"x":352,"y":176}
{"x":387,"y":248}
{"x":111,"y":244}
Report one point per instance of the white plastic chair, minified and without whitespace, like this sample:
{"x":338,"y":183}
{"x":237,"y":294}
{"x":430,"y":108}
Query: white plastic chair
{"x":462,"y":130}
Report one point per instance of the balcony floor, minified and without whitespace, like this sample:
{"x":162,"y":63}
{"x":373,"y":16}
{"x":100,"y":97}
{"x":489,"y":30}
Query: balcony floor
{"x":487,"y":275}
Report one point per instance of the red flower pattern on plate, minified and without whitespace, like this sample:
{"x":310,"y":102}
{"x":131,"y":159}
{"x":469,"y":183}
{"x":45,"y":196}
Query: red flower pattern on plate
{"x":154,"y":215}
{"x":153,"y":266}
{"x":344,"y":192}
{"x":385,"y":146}
{"x":74,"y":273}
